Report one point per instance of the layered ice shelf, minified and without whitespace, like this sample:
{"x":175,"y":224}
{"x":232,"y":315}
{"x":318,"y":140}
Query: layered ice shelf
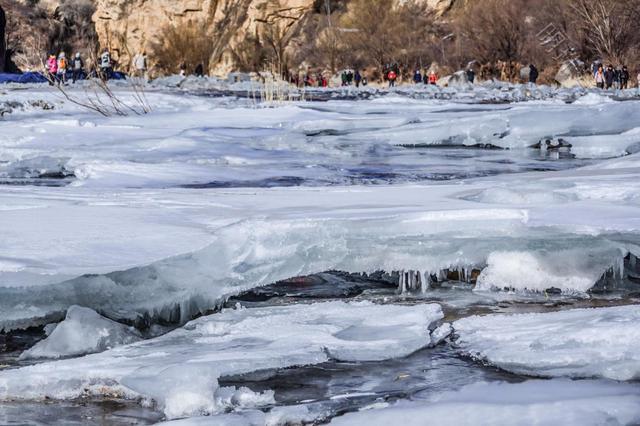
{"x":179,"y":371}
{"x":580,"y":343}
{"x":257,"y":253}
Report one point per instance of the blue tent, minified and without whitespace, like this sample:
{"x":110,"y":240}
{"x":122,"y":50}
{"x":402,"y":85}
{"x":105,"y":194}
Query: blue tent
{"x":117,"y":75}
{"x":27,"y":77}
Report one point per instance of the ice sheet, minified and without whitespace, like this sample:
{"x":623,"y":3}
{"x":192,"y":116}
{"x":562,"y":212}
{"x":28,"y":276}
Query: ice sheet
{"x":587,"y":343}
{"x":571,"y":403}
{"x":179,"y":370}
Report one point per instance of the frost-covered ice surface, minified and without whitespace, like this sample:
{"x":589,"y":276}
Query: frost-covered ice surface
{"x":536,"y":402}
{"x":161,"y":218}
{"x":179,"y":370}
{"x":83,"y":331}
{"x":576,"y":343}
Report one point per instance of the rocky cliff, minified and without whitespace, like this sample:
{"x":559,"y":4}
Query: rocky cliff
{"x":3,"y":55}
{"x":130,"y":26}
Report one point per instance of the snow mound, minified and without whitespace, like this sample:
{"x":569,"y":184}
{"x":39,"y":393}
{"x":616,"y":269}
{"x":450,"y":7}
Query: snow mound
{"x":593,"y":99}
{"x":520,"y":196}
{"x":548,"y":403}
{"x":587,"y":343}
{"x":567,"y":270}
{"x":179,"y":371}
{"x":83,"y":331}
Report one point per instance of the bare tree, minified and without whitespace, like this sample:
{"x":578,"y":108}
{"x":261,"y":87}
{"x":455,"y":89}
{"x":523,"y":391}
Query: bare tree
{"x":279,"y":27}
{"x":382,"y":32}
{"x":609,"y":27}
{"x":495,"y":31}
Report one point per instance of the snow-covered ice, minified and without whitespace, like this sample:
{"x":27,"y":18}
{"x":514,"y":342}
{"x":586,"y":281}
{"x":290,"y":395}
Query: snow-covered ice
{"x":179,"y":370}
{"x":539,"y":402}
{"x":581,"y":343}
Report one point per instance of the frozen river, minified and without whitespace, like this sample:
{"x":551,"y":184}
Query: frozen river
{"x":461,"y":255}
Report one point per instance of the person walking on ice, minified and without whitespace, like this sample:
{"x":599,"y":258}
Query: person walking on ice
{"x":77,"y":68}
{"x":105,"y":65}
{"x":433,"y":78}
{"x":392,"y":76}
{"x":599,"y":77}
{"x":533,"y":74}
{"x":140,"y":65}
{"x":62,"y":68}
{"x":52,"y":69}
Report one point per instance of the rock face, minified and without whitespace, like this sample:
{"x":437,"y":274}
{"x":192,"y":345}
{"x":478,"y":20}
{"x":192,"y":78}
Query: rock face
{"x":440,"y":6}
{"x":3,"y":47}
{"x":129,"y":26}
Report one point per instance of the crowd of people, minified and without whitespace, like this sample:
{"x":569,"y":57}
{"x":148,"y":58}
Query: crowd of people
{"x":59,"y":69}
{"x":612,"y":78}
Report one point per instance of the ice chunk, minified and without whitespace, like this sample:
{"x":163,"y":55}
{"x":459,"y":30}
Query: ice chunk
{"x":553,"y":402}
{"x":603,"y":342}
{"x":37,"y":167}
{"x":179,"y":370}
{"x":570,"y":270}
{"x":441,"y":333}
{"x":83,"y":331}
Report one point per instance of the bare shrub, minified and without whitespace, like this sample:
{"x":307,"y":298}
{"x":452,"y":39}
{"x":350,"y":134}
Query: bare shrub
{"x":200,"y":41}
{"x":189,"y":43}
{"x":379,"y":32}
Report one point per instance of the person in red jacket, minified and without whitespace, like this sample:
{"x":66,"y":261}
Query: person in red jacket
{"x":433,"y":78}
{"x":392,"y":76}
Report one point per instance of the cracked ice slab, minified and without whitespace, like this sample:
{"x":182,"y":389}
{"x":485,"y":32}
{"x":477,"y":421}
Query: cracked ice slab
{"x":179,"y":370}
{"x":580,"y":343}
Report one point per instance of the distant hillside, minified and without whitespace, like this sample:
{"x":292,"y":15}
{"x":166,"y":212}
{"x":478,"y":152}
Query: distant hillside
{"x":497,"y":37}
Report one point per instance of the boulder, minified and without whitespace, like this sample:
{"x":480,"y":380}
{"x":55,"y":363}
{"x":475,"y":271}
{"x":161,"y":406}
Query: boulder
{"x":457,"y":79}
{"x":569,"y":73}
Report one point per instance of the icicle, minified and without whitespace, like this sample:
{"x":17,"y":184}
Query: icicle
{"x":402,"y":283}
{"x":621,"y":268}
{"x":424,"y":283}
